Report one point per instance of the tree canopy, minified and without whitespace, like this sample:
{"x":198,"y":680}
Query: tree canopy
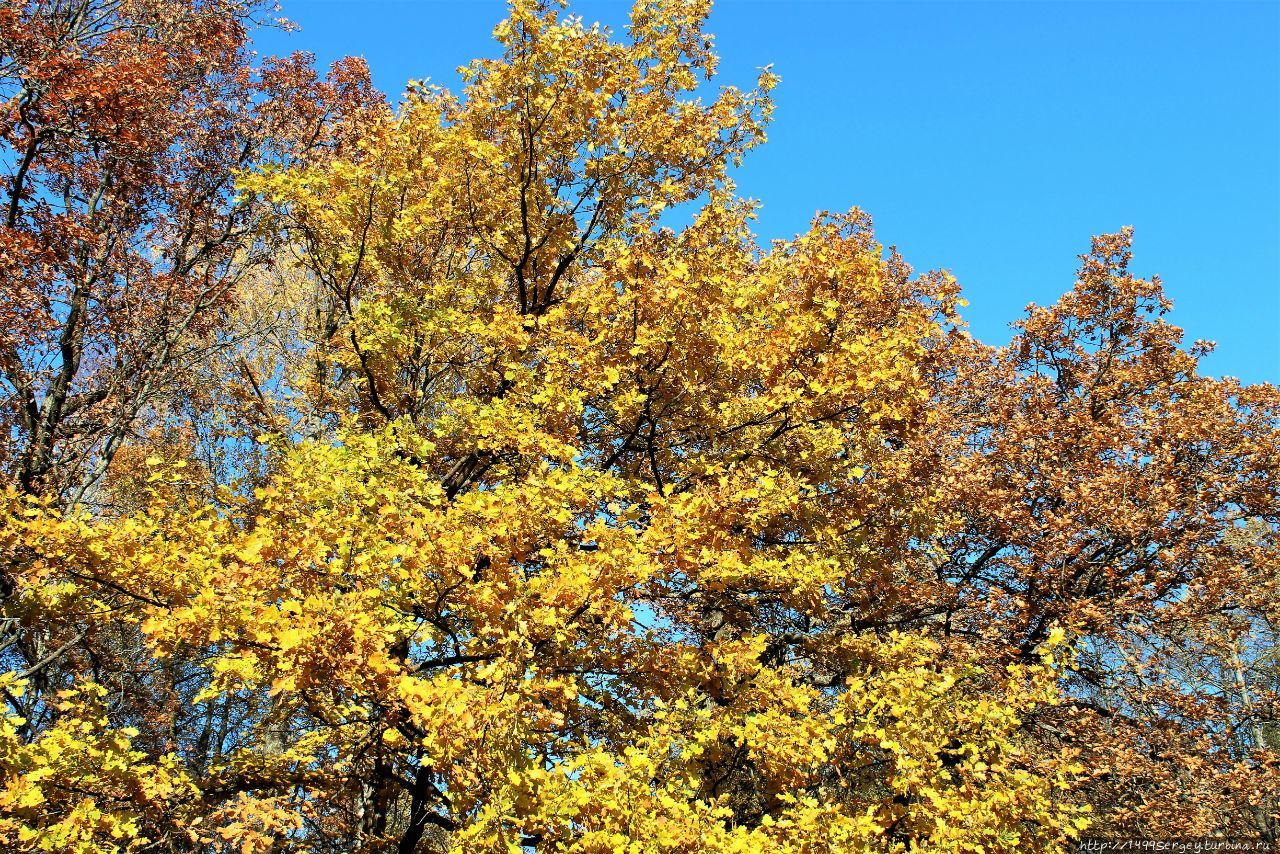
{"x":399,"y":477}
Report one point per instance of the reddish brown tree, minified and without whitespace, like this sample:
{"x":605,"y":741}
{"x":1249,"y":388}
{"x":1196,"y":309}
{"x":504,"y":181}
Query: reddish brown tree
{"x":123,"y":238}
{"x":1097,"y":480}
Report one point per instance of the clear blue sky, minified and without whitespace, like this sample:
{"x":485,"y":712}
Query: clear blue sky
{"x":988,"y":138}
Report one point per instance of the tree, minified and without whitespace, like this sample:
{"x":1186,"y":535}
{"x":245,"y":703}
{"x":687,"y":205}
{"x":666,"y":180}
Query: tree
{"x":1099,"y":482}
{"x":552,"y":527}
{"x":123,"y":238}
{"x":124,"y":247}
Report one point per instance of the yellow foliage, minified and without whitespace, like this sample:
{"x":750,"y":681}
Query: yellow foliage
{"x":80,"y":786}
{"x":578,"y":567}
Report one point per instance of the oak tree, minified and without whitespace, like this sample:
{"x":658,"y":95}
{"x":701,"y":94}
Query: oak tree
{"x":496,"y":513}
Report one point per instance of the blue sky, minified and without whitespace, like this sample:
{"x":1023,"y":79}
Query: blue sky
{"x":988,"y":138}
